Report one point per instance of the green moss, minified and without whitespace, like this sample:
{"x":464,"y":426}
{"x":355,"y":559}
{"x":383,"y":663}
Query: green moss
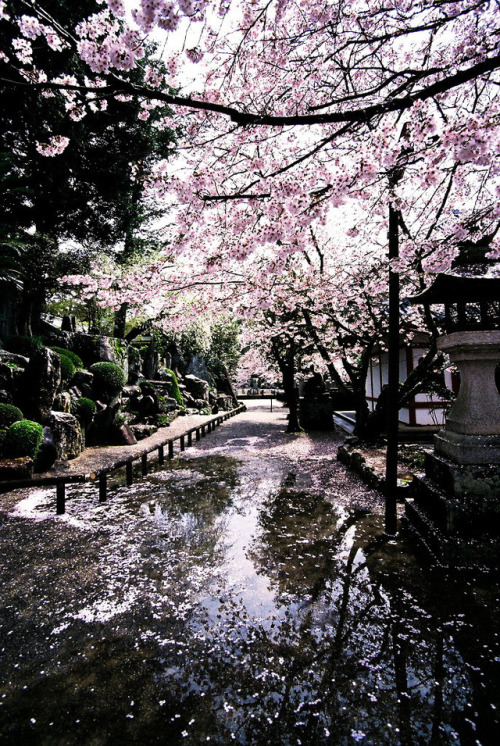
{"x":84,"y":409}
{"x":23,"y":439}
{"x":109,"y":379}
{"x":68,"y":370}
{"x":9,"y":414}
{"x":176,"y":392}
{"x":75,"y":359}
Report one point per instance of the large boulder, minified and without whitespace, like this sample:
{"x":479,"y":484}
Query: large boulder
{"x":150,"y":361}
{"x":13,"y":359}
{"x":166,"y":404}
{"x":197,"y":387}
{"x":62,"y":402}
{"x":175,"y":359}
{"x":41,"y":380}
{"x":143,"y":431}
{"x":83,"y":382}
{"x":102,"y":429}
{"x":224,"y":402}
{"x":68,"y":435}
{"x":97,"y":348}
{"x":124,"y":436}
{"x":198,"y":368}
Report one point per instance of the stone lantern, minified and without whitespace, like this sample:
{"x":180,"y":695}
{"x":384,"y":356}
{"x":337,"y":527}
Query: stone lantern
{"x":456,"y":506}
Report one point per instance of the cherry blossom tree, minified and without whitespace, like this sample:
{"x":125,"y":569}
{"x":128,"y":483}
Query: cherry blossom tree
{"x":293,"y":110}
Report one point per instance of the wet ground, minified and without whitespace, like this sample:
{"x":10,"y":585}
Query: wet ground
{"x":244,"y":593}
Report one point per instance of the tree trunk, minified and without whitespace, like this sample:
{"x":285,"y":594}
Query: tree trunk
{"x":286,"y":364}
{"x":120,"y":321}
{"x":288,"y":374}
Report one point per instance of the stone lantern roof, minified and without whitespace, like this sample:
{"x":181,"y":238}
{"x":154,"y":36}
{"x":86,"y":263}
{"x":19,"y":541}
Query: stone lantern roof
{"x":469,"y":291}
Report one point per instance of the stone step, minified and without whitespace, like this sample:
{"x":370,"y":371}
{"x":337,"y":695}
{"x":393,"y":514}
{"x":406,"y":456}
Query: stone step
{"x":425,"y":532}
{"x":456,"y":551}
{"x":464,"y":480}
{"x":466,"y":516}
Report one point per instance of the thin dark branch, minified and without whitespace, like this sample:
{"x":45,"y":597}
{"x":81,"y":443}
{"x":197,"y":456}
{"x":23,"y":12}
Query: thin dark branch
{"x":364,"y":114}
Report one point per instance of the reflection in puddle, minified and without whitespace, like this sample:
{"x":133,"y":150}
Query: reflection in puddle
{"x":246,"y":609}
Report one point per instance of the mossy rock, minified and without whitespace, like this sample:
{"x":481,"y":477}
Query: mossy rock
{"x":8,"y":415}
{"x":173,"y":385}
{"x":84,"y":409}
{"x":109,"y":379}
{"x":75,"y":359}
{"x":23,"y":439}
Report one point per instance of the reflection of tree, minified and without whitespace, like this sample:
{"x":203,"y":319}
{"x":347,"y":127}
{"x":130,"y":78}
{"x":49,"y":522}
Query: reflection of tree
{"x":297,"y":547}
{"x":189,"y":506}
{"x":187,"y":501}
{"x":363,"y":657}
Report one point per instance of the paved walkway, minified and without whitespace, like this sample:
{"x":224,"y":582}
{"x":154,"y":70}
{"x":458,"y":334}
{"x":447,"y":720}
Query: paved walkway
{"x":151,"y":618}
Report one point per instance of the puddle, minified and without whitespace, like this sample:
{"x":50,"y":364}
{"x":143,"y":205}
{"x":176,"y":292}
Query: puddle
{"x":236,"y":601}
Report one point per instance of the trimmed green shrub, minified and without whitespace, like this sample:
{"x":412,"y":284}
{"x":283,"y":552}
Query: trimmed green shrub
{"x":68,"y":370}
{"x":26,"y":346}
{"x":23,"y":439}
{"x":109,"y":379}
{"x":9,"y":414}
{"x":75,"y":359}
{"x":84,"y":409}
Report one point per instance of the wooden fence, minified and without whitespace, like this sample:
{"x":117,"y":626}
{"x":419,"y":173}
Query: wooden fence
{"x":166,"y":449}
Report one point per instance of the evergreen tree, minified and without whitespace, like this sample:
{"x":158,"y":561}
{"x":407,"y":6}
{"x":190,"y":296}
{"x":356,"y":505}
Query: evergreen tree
{"x":92,"y":192}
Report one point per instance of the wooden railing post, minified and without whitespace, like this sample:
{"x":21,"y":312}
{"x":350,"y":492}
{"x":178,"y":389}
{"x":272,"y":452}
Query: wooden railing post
{"x":103,"y":487}
{"x":129,"y":473}
{"x":61,"y":498}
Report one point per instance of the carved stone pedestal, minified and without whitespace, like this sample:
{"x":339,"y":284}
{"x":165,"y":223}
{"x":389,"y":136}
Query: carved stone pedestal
{"x":455,"y":511}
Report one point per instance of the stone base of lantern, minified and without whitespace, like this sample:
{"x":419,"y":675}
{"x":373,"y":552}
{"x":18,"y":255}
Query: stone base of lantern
{"x":468,"y":449}
{"x":455,"y":512}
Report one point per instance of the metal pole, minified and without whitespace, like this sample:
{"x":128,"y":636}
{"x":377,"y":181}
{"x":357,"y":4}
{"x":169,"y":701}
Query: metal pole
{"x":391,"y":466}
